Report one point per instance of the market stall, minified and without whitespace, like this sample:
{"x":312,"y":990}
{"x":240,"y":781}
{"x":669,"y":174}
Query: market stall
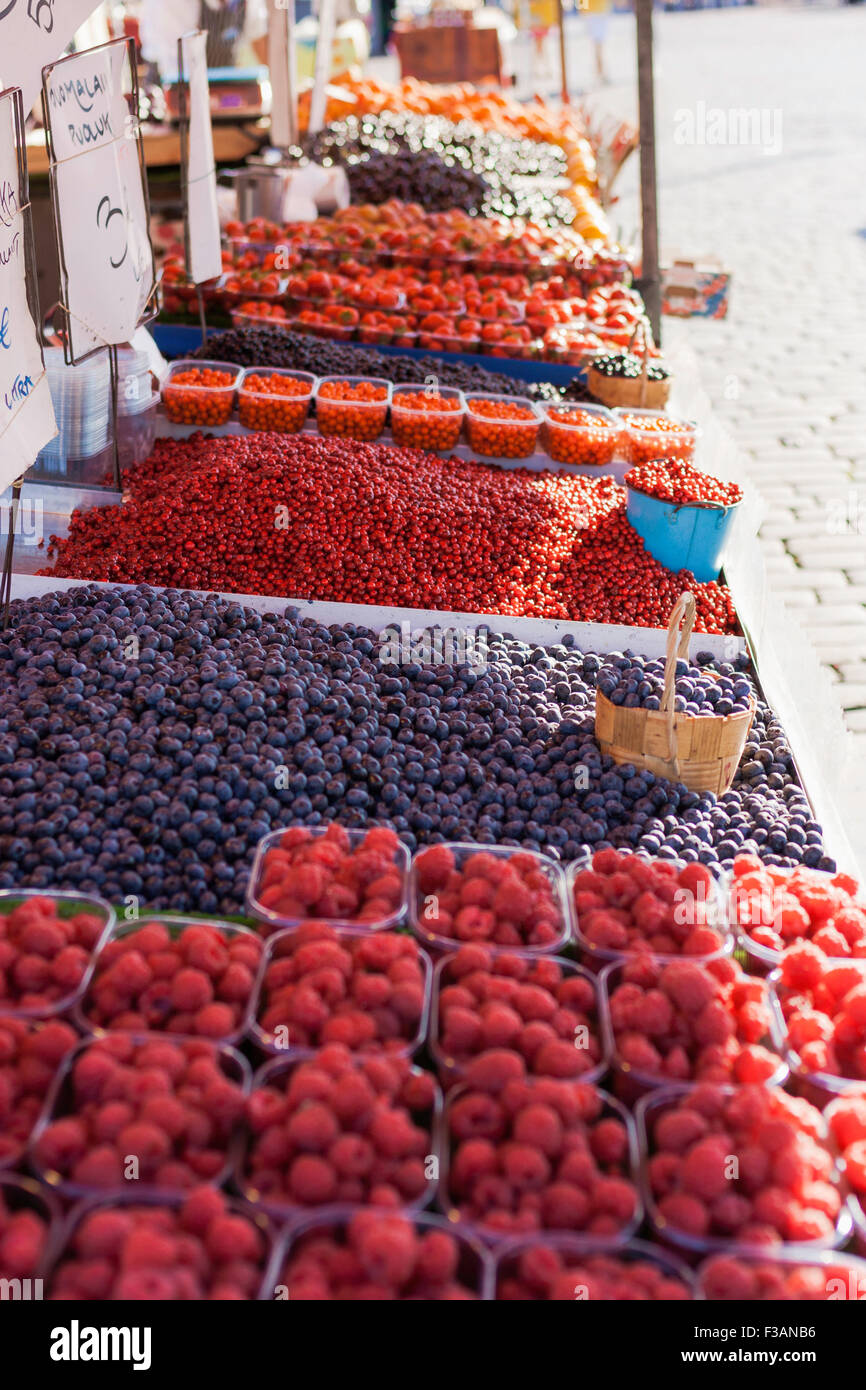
{"x":417,"y":875}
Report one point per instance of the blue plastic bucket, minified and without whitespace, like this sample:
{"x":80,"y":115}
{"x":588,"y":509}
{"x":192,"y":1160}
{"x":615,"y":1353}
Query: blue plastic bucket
{"x":682,"y":537}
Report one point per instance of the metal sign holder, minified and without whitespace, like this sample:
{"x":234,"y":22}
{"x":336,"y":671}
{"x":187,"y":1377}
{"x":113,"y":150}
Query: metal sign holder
{"x":13,"y":94}
{"x":152,"y":305}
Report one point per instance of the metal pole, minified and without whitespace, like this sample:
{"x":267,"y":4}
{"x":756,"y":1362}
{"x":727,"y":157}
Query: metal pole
{"x":650,"y":279}
{"x":202,"y":315}
{"x":563,"y":63}
{"x":114,"y":367}
{"x":6,"y":580}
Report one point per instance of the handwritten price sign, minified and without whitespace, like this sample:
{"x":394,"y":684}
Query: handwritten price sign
{"x":26,"y":414}
{"x":32,"y":32}
{"x":100,"y":204}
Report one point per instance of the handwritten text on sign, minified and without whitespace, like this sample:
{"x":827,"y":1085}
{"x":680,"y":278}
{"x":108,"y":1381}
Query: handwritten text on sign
{"x":24,"y":428}
{"x":86,"y":102}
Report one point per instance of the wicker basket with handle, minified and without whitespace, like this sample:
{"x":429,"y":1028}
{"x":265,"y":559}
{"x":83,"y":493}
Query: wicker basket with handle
{"x":631,"y":390}
{"x":702,"y":751}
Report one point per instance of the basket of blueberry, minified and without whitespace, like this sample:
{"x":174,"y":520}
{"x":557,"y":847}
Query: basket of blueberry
{"x":682,"y":722}
{"x":634,"y":377}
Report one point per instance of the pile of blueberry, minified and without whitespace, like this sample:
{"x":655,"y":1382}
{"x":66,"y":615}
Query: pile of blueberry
{"x":636,"y":682}
{"x":274,"y":347}
{"x":148,"y":740}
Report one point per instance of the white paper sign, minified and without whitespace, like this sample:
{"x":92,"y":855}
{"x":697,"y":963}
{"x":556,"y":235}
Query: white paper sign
{"x":26,"y":413}
{"x":283,"y":70}
{"x":106,"y":256}
{"x":87,"y":100}
{"x":204,"y":255}
{"x":33,"y":33}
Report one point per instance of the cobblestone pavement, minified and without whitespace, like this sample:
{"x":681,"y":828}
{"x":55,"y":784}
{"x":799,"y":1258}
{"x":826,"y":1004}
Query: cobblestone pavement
{"x":786,"y":371}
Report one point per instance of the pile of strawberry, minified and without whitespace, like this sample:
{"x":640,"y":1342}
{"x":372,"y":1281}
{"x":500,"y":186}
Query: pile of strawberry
{"x":625,"y":903}
{"x":776,"y":907}
{"x":323,"y":986}
{"x":44,"y":956}
{"x":530,"y":1155}
{"x":544,"y":1010}
{"x":200,"y":1249}
{"x":690,"y":1022}
{"x":159,"y":1111}
{"x":823,"y":1002}
{"x":310,"y":875}
{"x":375,"y":1256}
{"x":506,"y":900}
{"x":747,"y":1164}
{"x":338,"y":1128}
{"x":198,"y":982}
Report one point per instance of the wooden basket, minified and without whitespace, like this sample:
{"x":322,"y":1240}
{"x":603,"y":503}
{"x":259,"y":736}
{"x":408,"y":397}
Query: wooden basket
{"x":702,"y":751}
{"x":631,"y":390}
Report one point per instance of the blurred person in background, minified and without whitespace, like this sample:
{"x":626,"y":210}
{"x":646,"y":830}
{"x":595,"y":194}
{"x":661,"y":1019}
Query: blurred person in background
{"x":236,"y":31}
{"x":597,"y":14}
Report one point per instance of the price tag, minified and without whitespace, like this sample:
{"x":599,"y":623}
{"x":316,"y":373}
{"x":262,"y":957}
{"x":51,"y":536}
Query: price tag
{"x":26,"y":414}
{"x":32,"y":32}
{"x":108,"y":275}
{"x":203,"y":251}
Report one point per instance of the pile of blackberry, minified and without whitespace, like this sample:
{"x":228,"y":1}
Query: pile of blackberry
{"x":274,"y":347}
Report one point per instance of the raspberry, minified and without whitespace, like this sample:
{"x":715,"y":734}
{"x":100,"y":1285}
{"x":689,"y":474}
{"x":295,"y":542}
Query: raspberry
{"x":688,"y":986}
{"x":684,"y":1213}
{"x":387,"y":1250}
{"x":539,"y":1126}
{"x":704,"y":1170}
{"x":491,"y":1070}
{"x":214,"y":1021}
{"x":312,"y":1180}
{"x":191,"y":990}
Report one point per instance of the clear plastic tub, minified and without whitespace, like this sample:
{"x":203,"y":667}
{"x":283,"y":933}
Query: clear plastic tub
{"x":589,"y":437}
{"x":597,"y":957}
{"x":276,"y":922}
{"x":127,"y":1198}
{"x":322,"y":328}
{"x":447,"y":342}
{"x":462,"y":852}
{"x":237,"y":296}
{"x":277,"y":1070}
{"x":272,"y":410}
{"x":611,"y":1109}
{"x":818,"y":1087}
{"x":28,"y":1109}
{"x":501,"y":437}
{"x":506,"y":1256}
{"x":61,"y":1102}
{"x":640,"y":444}
{"x":136,"y":432}
{"x":242,"y":318}
{"x":174,"y":925}
{"x":352,"y":419}
{"x":840,"y":1277}
{"x":426,"y":428}
{"x":67,"y":904}
{"x":473,"y":1265}
{"x":630,"y":1084}
{"x":19,"y":1193}
{"x":451,"y":1069}
{"x":277,"y":948}
{"x":199,"y":405}
{"x":646,"y":1116}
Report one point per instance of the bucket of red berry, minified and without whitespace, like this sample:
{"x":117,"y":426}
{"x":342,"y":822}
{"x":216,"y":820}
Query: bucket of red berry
{"x":683,"y":516}
{"x":683,"y":722}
